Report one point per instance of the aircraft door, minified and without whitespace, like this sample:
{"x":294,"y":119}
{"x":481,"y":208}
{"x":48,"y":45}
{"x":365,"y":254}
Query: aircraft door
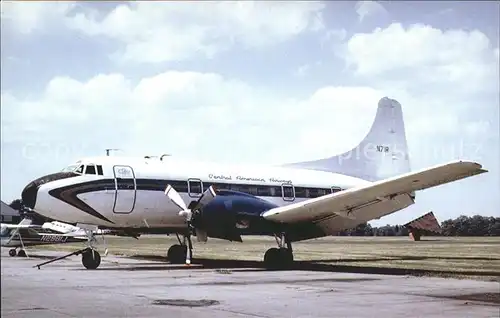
{"x":288,"y":192}
{"x":125,"y":185}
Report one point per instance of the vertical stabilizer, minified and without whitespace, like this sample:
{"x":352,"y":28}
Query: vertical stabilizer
{"x":383,"y":152}
{"x":15,"y":231}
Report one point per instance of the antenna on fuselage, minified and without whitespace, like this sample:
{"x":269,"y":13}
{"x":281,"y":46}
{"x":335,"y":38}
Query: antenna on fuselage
{"x":111,"y":149}
{"x":164,"y":155}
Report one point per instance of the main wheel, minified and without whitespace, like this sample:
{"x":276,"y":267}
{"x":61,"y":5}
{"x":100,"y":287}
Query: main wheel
{"x":12,"y":252}
{"x":21,"y":253}
{"x":177,"y":254}
{"x":278,"y":258}
{"x":91,"y":259}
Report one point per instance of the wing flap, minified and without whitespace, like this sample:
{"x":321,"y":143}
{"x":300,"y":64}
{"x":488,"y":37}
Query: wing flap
{"x":345,"y":202}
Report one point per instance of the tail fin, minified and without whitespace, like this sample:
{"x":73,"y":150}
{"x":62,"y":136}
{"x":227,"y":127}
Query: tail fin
{"x":383,"y":153}
{"x":14,"y":230}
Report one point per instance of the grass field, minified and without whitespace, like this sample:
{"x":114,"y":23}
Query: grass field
{"x":443,"y":256}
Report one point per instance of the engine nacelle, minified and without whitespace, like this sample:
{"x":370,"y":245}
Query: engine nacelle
{"x":231,"y":214}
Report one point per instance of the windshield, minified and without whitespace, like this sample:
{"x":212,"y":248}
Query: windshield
{"x":70,"y":168}
{"x":73,"y":168}
{"x":4,"y":231}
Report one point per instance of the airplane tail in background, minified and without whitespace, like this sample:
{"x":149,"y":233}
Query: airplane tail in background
{"x":383,"y":153}
{"x":9,"y":235}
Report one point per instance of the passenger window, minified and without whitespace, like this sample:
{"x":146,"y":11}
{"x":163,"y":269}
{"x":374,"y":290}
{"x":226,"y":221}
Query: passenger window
{"x":195,"y":187}
{"x":222,"y":186}
{"x":336,"y":189}
{"x":312,"y":193}
{"x":90,"y":169}
{"x":99,"y":170}
{"x":263,"y":191}
{"x":300,"y":192}
{"x":288,"y":192}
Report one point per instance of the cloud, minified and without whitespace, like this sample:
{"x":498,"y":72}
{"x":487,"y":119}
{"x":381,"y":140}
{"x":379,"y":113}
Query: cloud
{"x":199,"y":114}
{"x":152,"y":32}
{"x":447,"y":82}
{"x":366,"y":9}
{"x":186,"y":113}
{"x":302,"y":70}
{"x":27,"y":17}
{"x":423,"y":55}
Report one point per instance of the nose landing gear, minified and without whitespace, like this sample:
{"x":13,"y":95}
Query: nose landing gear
{"x":91,"y":259}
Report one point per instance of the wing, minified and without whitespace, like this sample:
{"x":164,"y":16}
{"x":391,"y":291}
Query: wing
{"x":374,"y":200}
{"x":21,"y":226}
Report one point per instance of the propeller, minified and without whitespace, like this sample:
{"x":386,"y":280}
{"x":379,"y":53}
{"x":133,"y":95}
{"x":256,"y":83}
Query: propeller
{"x":194,"y":209}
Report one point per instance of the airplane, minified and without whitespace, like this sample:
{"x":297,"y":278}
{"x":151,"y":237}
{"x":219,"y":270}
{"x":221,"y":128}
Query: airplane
{"x":292,"y":202}
{"x":27,"y":234}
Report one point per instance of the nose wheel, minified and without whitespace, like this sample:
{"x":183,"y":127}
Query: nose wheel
{"x":91,"y":259}
{"x":12,"y":252}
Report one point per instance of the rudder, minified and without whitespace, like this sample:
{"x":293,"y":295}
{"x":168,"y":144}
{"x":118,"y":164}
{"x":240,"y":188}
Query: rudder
{"x":383,"y":152}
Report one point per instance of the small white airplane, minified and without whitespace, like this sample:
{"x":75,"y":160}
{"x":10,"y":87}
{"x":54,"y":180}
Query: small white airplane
{"x":292,"y":202}
{"x":19,"y":236}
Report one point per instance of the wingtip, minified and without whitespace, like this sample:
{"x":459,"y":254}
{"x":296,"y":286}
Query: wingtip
{"x":469,"y":162}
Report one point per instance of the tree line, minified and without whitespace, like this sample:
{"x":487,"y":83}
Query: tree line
{"x":476,"y":225}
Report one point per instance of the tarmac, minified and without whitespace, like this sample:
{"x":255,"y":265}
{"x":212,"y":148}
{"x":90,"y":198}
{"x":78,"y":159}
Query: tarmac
{"x":124,"y":287}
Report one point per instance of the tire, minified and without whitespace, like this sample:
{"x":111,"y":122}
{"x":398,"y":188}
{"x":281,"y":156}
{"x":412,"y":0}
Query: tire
{"x":177,"y":254}
{"x":91,"y":259}
{"x":276,"y":258}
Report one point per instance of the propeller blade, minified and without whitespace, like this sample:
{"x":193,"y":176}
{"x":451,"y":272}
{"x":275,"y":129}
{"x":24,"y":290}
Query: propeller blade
{"x":175,"y":197}
{"x":205,"y":198}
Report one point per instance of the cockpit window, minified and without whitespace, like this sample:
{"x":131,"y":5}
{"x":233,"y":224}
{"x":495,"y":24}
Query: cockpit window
{"x":70,"y":168}
{"x":90,"y":169}
{"x":4,"y":231}
{"x":79,"y":169}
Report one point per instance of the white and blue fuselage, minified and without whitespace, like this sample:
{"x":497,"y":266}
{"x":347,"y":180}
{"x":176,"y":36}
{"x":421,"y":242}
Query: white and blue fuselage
{"x":123,"y":192}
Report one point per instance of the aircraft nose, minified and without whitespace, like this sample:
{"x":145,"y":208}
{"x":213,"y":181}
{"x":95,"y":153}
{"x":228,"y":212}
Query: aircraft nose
{"x":30,"y":192}
{"x":29,"y":195}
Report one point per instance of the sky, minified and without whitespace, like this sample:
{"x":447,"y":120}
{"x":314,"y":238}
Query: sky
{"x":251,"y":82}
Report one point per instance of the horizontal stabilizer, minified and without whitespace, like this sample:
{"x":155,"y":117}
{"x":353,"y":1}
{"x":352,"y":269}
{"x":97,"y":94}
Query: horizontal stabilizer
{"x":427,"y":222}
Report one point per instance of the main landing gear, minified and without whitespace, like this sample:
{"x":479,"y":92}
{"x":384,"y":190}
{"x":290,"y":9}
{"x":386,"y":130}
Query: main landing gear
{"x":281,"y":257}
{"x":13,"y":252}
{"x":22,"y":250}
{"x":181,"y":253}
{"x":91,"y":259}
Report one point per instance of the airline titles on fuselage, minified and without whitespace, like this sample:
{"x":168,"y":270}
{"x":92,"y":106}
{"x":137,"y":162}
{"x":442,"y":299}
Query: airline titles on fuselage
{"x":243,"y":178}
